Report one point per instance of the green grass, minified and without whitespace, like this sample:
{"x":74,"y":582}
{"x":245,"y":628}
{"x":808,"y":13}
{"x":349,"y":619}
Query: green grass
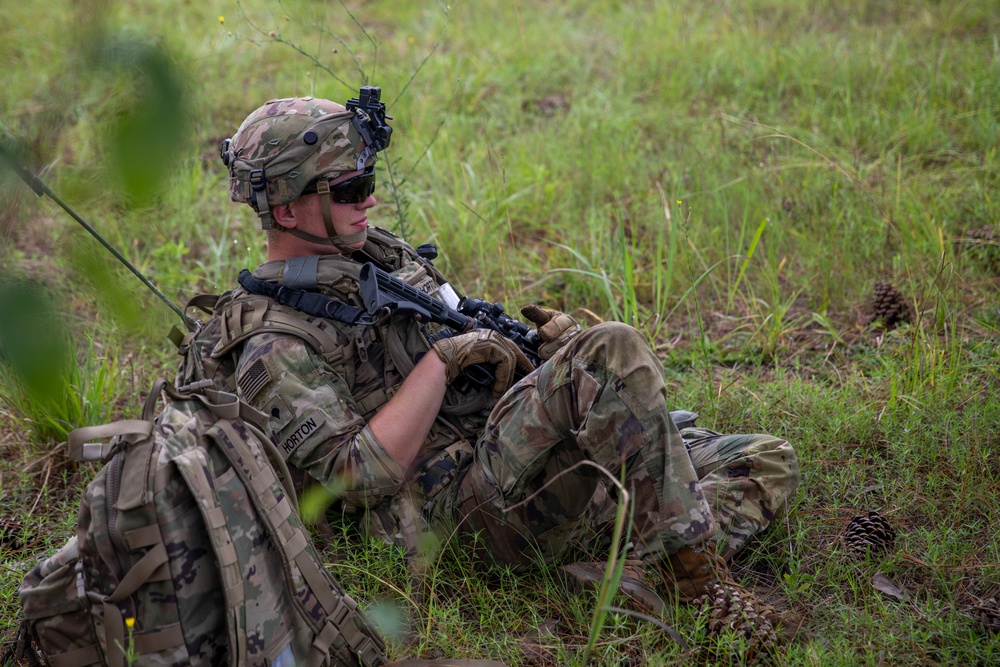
{"x":731,"y":177}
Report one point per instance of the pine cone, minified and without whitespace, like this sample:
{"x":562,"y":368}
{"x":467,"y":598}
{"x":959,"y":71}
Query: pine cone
{"x":986,"y":614}
{"x":735,"y":612}
{"x":870,"y":534}
{"x":10,"y":534}
{"x":889,"y":306}
{"x":982,"y":234}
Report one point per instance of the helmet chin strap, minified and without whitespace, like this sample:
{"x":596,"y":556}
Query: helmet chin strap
{"x":342,"y":242}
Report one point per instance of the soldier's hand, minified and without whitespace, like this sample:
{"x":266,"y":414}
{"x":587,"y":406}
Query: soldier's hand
{"x":554,"y":328}
{"x":483,"y":346}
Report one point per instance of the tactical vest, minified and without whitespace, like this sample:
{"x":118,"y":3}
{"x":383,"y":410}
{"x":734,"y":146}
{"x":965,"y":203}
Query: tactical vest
{"x":209,"y":356}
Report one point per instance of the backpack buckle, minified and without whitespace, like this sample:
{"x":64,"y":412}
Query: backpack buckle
{"x":193,"y":387}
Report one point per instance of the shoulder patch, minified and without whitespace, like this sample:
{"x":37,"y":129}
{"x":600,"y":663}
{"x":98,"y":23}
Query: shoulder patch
{"x":254,"y":380}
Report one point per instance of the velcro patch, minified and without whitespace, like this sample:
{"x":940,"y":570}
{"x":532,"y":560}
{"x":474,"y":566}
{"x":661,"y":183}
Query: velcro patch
{"x":427,"y":285}
{"x":300,"y":434}
{"x":254,"y":380}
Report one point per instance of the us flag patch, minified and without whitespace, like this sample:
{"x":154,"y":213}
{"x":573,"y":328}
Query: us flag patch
{"x":254,"y":379}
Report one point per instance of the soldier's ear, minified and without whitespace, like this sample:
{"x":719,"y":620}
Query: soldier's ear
{"x":284,"y":216}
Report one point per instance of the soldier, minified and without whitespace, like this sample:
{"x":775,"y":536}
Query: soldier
{"x":387,"y":422}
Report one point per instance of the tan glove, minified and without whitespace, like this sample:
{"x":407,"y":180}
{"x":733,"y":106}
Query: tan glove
{"x":483,"y":346}
{"x":554,"y":328}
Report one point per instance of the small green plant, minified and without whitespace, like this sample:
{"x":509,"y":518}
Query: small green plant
{"x":169,"y":257}
{"x":797,"y":583}
{"x":83,"y":393}
{"x":128,"y":651}
{"x":43,"y":385}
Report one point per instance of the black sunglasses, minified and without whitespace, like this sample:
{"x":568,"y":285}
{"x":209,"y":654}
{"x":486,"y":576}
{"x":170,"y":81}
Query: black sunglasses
{"x":352,"y":191}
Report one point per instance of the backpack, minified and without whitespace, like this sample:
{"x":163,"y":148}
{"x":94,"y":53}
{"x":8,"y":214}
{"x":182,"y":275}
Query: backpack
{"x":189,"y":550}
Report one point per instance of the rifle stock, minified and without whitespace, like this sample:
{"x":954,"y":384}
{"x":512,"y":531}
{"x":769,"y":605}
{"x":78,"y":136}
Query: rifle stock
{"x":380,"y":291}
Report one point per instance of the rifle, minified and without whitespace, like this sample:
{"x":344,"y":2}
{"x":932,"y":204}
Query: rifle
{"x":382,"y":292}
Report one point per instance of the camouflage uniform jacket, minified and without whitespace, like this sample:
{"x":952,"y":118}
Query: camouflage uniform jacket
{"x":320,"y":401}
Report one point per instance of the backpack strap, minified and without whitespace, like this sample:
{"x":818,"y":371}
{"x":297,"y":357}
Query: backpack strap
{"x":344,"y":626}
{"x":22,"y":650}
{"x":226,"y":405}
{"x":153,"y":566}
{"x":250,"y":315}
{"x":134,"y":494}
{"x":192,"y":467}
{"x":127,"y":431}
{"x":204,"y":302}
{"x":80,"y":449}
{"x":310,"y":303}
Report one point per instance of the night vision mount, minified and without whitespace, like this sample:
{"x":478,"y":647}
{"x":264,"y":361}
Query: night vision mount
{"x":369,"y":118}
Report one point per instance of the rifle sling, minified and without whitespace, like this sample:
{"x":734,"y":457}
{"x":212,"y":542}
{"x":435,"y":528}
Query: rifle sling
{"x":310,"y":303}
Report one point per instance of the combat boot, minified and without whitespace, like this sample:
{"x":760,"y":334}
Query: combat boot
{"x":692,"y":569}
{"x":686,"y":575}
{"x":588,"y":575}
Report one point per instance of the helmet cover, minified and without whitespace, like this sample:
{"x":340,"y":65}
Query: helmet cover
{"x":288,"y":143}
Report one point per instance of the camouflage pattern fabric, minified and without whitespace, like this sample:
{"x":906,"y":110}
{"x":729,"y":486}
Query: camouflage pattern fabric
{"x":276,"y":139}
{"x":318,"y":408}
{"x":322,"y":429}
{"x":316,"y":423}
{"x":189,"y":550}
{"x":748,"y":481}
{"x":55,"y":614}
{"x":601,"y":398}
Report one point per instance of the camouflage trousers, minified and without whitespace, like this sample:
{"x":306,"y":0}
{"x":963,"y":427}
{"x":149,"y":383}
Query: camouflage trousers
{"x":542,"y":483}
{"x":748,"y":481}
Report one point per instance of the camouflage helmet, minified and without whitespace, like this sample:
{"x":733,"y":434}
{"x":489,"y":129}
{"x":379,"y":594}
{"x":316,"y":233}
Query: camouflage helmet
{"x":285,"y":145}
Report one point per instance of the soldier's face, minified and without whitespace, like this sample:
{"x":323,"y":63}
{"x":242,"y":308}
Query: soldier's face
{"x":347,"y":218}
